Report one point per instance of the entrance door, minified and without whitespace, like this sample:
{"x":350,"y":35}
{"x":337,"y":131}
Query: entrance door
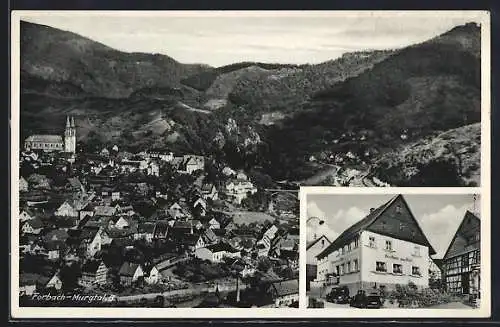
{"x":465,"y":283}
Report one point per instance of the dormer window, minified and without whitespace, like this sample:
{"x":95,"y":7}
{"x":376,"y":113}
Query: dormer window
{"x":398,"y":209}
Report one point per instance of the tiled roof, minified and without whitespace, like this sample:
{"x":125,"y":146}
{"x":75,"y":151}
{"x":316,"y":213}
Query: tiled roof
{"x":91,"y":266}
{"x":45,"y":138}
{"x":218,"y":247}
{"x":128,"y":269}
{"x":286,"y":287}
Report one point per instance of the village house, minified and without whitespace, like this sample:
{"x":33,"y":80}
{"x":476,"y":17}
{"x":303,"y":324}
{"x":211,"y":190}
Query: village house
{"x":88,"y":210}
{"x":66,"y":210}
{"x":161,"y":230}
{"x":284,"y":293}
{"x":192,"y":163}
{"x":216,"y":252}
{"x":28,"y":284}
{"x":130,"y":273}
{"x":33,"y":226}
{"x":55,"y":282}
{"x":238,"y":190}
{"x":94,"y":272}
{"x":209,"y":191}
{"x":118,"y":223}
{"x":152,"y":275}
{"x":104,"y":211}
{"x":95,"y":241}
{"x":53,"y":249}
{"x":213,"y":224}
{"x":23,"y":185}
{"x":145,"y":231}
{"x":386,"y":248}
{"x":25,"y":215}
{"x":462,"y":260}
{"x":153,"y":169}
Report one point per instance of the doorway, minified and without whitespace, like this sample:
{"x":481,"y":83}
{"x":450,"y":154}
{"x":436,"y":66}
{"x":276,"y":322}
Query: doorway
{"x":465,"y":283}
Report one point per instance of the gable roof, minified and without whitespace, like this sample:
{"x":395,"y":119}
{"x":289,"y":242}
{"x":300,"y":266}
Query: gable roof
{"x":104,"y":211}
{"x":311,"y":244}
{"x":461,"y":230}
{"x":128,"y":269}
{"x":286,"y":287}
{"x":365,"y":223}
{"x":218,"y":247}
{"x":91,"y":266}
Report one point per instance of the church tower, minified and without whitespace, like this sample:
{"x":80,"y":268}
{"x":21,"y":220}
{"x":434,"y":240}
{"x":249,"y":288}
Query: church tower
{"x":70,"y":135}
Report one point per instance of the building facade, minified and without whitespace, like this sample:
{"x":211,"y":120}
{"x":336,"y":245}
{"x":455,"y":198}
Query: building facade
{"x":461,"y":262}
{"x":384,"y":249}
{"x":50,"y":143}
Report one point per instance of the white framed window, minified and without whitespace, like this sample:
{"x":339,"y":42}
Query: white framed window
{"x":397,"y":268}
{"x":415,"y":270}
{"x":348,"y":267}
{"x":355,"y":265}
{"x":371,"y":242}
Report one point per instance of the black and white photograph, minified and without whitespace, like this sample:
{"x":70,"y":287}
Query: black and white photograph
{"x":158,"y":157}
{"x":403,"y":251}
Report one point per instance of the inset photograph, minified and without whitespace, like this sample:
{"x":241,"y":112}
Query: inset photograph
{"x":393,"y":251}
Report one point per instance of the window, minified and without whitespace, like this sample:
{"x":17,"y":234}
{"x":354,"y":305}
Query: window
{"x":322,"y":242}
{"x":349,"y":247}
{"x":415,"y":270}
{"x":416,"y":251}
{"x":346,"y":248}
{"x":356,"y":265}
{"x":398,"y":209}
{"x":372,"y":242}
{"x":337,"y":270}
{"x":341,"y":272}
{"x":356,"y":242}
{"x":388,"y":245}
{"x":348,"y":267}
{"x":342,"y":251}
{"x":381,"y":266}
{"x":397,"y":268}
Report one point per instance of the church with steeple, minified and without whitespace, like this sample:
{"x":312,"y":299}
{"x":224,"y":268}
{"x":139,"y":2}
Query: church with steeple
{"x":66,"y":143}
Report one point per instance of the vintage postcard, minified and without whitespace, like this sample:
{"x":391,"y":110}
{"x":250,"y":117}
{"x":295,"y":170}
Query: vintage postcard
{"x":161,"y":161}
{"x":419,"y":253}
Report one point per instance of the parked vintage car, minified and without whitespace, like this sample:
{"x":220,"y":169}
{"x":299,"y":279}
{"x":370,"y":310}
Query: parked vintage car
{"x":338,"y":295}
{"x":361,"y":300}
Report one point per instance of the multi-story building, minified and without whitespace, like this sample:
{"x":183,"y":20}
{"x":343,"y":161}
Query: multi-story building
{"x":384,"y":249}
{"x":461,"y":262}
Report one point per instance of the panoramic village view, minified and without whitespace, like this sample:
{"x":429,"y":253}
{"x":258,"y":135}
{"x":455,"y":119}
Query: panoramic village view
{"x":150,"y":182}
{"x":114,"y":228}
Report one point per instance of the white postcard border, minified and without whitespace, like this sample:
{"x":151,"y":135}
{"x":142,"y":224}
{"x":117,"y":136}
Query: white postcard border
{"x":301,"y":312}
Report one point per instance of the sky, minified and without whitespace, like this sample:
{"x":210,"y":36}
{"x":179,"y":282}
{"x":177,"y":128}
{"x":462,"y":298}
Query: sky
{"x":438,"y":215}
{"x":217,"y":38}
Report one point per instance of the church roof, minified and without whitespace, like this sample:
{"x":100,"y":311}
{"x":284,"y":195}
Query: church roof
{"x":45,"y":138}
